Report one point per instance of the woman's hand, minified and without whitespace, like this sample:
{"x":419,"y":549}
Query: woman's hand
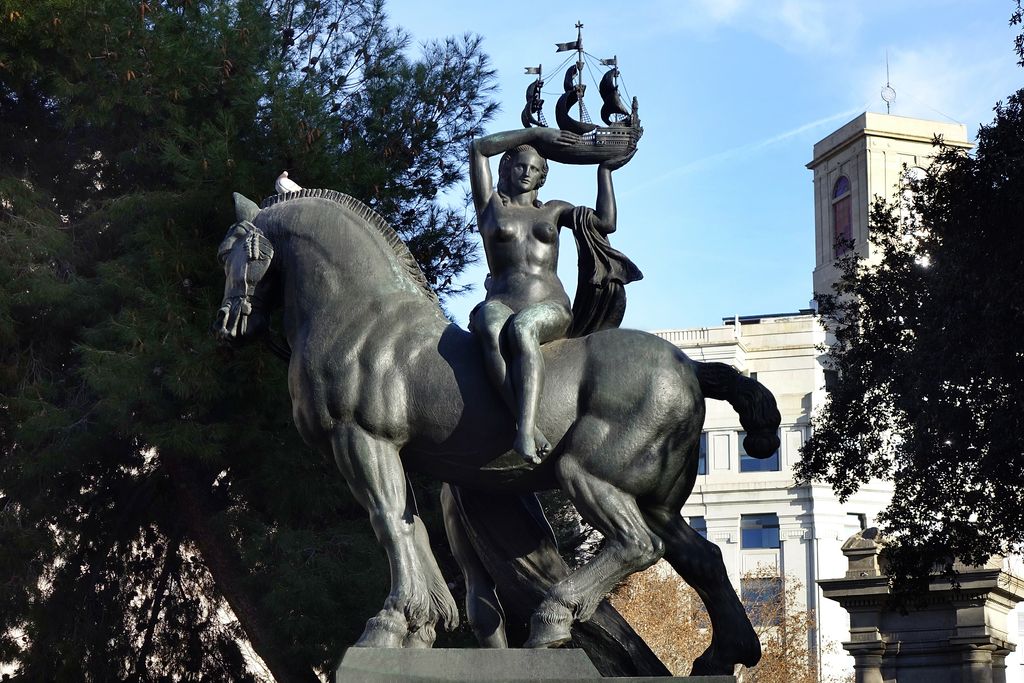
{"x":556,"y":137}
{"x":616,"y":164}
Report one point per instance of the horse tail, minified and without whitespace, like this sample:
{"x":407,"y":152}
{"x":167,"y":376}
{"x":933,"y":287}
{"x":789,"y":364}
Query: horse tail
{"x":758,"y":411}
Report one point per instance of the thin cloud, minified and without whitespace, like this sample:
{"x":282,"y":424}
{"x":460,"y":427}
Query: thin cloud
{"x":744,"y":150}
{"x":802,"y":129}
{"x":799,"y":26}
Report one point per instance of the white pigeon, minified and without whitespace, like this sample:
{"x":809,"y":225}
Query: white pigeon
{"x":283,"y":184}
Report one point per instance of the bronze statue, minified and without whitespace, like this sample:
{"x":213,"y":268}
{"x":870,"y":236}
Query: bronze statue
{"x":382,"y":381}
{"x":526,"y":304}
{"x":543,"y":395}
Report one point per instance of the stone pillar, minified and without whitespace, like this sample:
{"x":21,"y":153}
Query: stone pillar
{"x":977,"y":664}
{"x":958,"y":636}
{"x":867,"y":661}
{"x":999,"y":665}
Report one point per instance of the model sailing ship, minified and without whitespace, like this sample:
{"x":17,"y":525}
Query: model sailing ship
{"x":622,"y":130}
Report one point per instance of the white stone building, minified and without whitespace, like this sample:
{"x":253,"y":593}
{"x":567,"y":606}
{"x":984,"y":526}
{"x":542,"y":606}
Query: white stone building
{"x":752,"y":508}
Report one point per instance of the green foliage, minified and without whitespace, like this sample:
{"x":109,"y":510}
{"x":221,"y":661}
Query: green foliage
{"x":150,"y":479}
{"x":1016,"y":19}
{"x":928,"y":351}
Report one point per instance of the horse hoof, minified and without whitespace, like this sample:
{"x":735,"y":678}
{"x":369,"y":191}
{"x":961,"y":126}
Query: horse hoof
{"x":383,"y":631}
{"x":372,"y":638}
{"x":421,"y":639}
{"x":707,"y":666}
{"x":549,"y":632}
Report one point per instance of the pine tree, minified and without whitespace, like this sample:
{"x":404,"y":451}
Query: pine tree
{"x":151,"y":482}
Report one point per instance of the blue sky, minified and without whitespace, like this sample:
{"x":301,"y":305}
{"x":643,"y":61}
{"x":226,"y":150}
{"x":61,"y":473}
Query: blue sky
{"x":716,"y":206}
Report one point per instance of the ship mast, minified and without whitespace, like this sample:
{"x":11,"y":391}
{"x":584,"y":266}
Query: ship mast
{"x":579,"y":68}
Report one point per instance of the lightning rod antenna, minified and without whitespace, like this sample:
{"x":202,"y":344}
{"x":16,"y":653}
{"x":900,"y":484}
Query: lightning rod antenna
{"x":888,"y":94}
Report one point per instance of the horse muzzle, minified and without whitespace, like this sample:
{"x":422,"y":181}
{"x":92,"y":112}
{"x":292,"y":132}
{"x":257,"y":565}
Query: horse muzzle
{"x":233,"y":320}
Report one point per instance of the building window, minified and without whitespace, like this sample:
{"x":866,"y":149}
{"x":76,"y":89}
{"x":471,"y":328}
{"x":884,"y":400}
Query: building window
{"x":759,"y":531}
{"x":751,"y":464}
{"x":910,"y":182}
{"x":699,"y":525}
{"x":831,"y":380}
{"x":702,"y":455}
{"x":855,"y":523}
{"x":842,"y":216}
{"x":763,"y":600}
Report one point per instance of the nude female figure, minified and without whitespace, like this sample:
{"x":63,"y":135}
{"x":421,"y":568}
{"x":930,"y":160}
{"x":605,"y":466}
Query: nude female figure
{"x":526,"y":304}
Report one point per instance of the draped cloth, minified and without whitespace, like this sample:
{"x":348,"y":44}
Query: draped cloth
{"x":604,"y":272}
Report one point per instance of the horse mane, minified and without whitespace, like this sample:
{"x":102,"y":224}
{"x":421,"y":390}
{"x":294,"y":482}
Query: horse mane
{"x":372,"y":218}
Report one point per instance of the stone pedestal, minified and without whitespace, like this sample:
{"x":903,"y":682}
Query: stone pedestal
{"x":369,"y":665}
{"x":960,"y":635}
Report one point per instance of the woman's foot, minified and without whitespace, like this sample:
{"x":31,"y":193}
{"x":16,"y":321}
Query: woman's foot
{"x":532,"y":449}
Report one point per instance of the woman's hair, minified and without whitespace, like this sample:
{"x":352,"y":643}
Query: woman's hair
{"x":505,"y":168}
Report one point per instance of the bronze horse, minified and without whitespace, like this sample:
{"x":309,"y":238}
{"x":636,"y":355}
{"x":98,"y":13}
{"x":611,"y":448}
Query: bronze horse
{"x":382,"y":381}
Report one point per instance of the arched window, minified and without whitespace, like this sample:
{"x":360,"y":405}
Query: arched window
{"x":909,"y":183}
{"x":914,"y":174}
{"x":842,"y":216}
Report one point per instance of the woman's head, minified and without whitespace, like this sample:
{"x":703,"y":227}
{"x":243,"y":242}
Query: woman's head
{"x":521,"y":169}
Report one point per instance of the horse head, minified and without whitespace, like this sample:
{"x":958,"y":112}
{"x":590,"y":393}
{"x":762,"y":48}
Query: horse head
{"x":246,"y":255}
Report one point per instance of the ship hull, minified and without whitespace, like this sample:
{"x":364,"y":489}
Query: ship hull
{"x":603,"y":144}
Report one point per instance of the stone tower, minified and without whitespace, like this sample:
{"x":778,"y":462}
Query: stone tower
{"x":870,"y":156}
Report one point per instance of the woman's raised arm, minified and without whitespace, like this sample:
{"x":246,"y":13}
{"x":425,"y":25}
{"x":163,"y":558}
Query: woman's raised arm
{"x":605,"y":205}
{"x":480,"y":149}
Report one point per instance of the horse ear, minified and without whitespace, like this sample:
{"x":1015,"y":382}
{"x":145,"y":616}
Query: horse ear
{"x":245,"y":209}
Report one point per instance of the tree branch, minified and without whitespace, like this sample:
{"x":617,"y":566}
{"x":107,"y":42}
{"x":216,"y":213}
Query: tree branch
{"x":228,"y":573}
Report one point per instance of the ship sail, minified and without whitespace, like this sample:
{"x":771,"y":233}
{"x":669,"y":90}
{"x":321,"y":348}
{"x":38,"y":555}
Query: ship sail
{"x":569,"y":82}
{"x":613,"y":104}
{"x":570,"y":97}
{"x":533,"y":112}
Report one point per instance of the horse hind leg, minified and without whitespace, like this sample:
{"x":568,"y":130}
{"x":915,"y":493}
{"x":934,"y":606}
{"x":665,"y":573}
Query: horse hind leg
{"x":699,"y":563}
{"x":629,"y":547}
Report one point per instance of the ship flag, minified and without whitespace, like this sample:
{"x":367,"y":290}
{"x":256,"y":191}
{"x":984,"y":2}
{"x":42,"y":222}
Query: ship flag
{"x":565,"y":47}
{"x":611,"y":61}
{"x":533,"y":69}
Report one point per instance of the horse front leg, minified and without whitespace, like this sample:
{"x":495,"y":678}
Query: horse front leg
{"x":374,"y":472}
{"x":442,"y":603}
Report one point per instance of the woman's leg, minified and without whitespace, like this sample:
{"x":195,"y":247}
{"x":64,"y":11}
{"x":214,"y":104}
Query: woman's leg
{"x":487,"y":322}
{"x":529,"y":328}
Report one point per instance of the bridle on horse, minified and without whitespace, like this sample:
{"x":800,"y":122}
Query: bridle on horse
{"x":258,"y":250}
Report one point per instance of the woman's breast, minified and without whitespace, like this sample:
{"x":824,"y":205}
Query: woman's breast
{"x":542,"y":231}
{"x":545,"y":232}
{"x":506,"y":232}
